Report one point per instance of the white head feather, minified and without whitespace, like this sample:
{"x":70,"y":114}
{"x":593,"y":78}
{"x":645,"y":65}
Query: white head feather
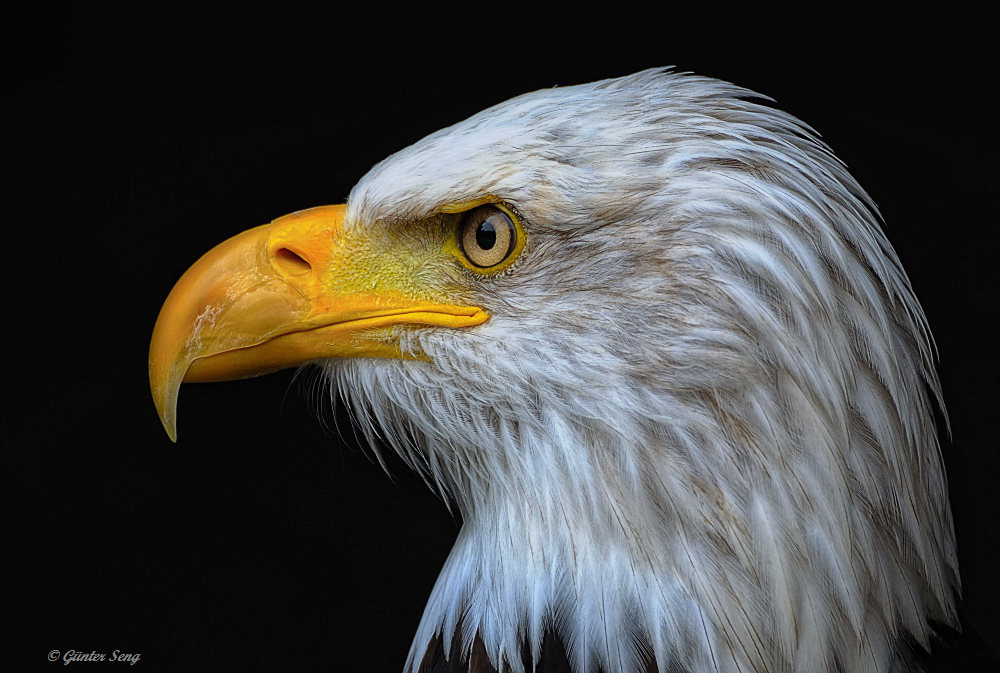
{"x":697,"y":426}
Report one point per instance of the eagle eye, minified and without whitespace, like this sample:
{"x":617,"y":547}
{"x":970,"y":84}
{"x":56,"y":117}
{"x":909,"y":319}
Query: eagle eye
{"x":487,"y":236}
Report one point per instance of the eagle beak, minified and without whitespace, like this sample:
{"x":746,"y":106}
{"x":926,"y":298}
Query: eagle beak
{"x":257,"y":303}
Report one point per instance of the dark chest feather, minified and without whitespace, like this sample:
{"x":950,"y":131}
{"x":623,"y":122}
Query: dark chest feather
{"x":553,"y":658}
{"x":952,"y":652}
{"x":956,"y":651}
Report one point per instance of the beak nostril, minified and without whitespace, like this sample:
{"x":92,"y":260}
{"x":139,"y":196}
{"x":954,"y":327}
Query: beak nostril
{"x":291,"y":262}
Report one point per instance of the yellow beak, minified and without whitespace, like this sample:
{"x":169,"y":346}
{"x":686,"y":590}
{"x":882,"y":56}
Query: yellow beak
{"x":257,"y":303}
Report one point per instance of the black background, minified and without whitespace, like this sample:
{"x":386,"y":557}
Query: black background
{"x":137,"y":138}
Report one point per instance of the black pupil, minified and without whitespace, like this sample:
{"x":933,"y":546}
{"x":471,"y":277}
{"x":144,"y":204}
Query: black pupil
{"x":486,"y":235}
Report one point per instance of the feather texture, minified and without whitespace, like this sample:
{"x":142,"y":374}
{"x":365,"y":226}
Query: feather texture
{"x":697,"y":432}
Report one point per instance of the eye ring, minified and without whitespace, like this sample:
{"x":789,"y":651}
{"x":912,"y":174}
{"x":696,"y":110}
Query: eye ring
{"x":487,"y":236}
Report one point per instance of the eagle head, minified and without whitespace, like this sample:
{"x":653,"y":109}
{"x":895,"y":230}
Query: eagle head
{"x":647,"y":337}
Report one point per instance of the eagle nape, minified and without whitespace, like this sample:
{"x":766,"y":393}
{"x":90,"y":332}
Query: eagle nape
{"x":646,"y":335}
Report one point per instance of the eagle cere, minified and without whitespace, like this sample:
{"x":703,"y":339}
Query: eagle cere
{"x":647,"y":337}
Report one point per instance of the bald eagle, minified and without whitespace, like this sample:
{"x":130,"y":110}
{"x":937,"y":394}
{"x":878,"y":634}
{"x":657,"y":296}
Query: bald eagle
{"x":647,"y":337}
